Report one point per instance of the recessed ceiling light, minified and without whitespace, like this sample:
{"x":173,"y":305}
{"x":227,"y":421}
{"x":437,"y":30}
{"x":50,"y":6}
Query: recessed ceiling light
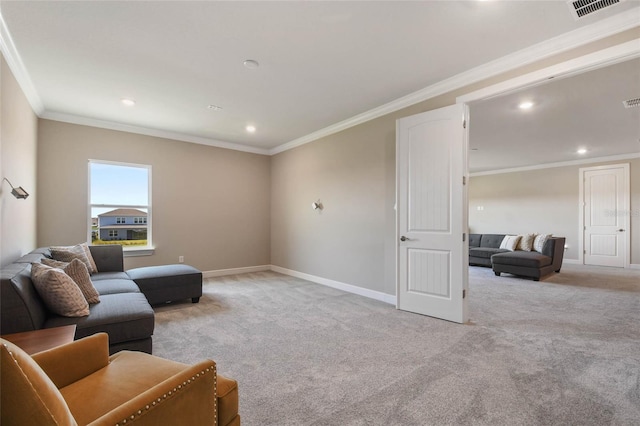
{"x":128,"y":102}
{"x":251,"y":64}
{"x":525,"y":105}
{"x":582,"y":151}
{"x":250,"y":128}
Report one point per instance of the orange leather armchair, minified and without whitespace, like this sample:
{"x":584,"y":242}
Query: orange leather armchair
{"x":78,"y":383}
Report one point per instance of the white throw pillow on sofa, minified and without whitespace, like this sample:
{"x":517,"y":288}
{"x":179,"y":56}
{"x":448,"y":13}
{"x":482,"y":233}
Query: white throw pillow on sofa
{"x":510,"y":242}
{"x":538,"y":243}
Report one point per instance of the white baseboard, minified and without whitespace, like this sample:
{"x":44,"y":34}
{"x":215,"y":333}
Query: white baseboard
{"x":349,"y":288}
{"x":234,"y":271}
{"x":572,"y":261}
{"x":634,"y":266}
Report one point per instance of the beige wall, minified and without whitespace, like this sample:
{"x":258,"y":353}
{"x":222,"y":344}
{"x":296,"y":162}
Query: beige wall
{"x":542,"y":201}
{"x":18,"y":141}
{"x":353,"y":173}
{"x":210,"y":205}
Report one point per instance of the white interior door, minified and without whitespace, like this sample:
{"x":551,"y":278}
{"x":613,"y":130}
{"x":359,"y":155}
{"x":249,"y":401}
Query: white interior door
{"x":606,"y":215}
{"x":431,"y":157}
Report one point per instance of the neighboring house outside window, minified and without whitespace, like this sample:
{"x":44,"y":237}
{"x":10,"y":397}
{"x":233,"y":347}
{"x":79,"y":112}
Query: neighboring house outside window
{"x":113,"y":225}
{"x":120,"y":204}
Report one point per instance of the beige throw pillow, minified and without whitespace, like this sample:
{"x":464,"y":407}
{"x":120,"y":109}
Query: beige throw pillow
{"x":526,"y":242}
{"x":58,"y":291}
{"x":79,"y":273}
{"x":510,"y":242}
{"x":538,"y":243}
{"x":68,"y":253}
{"x":87,"y":251}
{"x":55,"y":263}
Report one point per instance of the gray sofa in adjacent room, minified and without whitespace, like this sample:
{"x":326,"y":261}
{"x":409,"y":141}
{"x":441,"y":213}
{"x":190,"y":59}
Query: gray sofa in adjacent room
{"x":484,"y":250}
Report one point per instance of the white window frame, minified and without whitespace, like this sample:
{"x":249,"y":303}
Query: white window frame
{"x":127,"y":250}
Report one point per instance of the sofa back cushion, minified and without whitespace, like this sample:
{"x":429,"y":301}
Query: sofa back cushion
{"x":28,"y":396}
{"x":491,"y":240}
{"x":474,"y":240}
{"x":108,"y":257}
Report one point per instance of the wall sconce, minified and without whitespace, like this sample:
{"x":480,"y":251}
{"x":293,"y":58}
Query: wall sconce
{"x":317,"y":205}
{"x":18,"y":192}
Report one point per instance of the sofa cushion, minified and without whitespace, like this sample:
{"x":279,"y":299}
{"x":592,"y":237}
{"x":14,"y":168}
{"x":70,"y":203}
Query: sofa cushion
{"x":115,"y":286}
{"x":510,"y":242}
{"x":528,"y":259}
{"x":491,"y":240}
{"x":58,"y":291}
{"x":123,"y":316}
{"x":484,"y":252}
{"x":109,"y":276}
{"x":474,"y":240}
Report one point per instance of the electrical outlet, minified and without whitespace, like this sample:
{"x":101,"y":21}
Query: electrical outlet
{"x":181,"y":259}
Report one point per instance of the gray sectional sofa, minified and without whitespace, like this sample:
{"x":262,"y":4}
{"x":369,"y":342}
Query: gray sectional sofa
{"x":124,"y":311}
{"x":484,"y":250}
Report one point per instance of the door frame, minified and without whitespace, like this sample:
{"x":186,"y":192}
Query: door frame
{"x":627,"y":215}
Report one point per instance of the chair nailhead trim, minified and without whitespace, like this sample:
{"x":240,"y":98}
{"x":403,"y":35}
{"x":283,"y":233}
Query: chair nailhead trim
{"x":175,"y":390}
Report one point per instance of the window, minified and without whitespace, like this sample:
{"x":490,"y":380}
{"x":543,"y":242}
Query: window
{"x":120,"y":204}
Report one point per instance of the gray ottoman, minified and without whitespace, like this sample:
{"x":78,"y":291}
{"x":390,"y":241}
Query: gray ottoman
{"x":166,"y":283}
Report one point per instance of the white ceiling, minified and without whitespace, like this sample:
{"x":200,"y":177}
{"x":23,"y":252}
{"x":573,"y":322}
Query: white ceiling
{"x":583,"y":111}
{"x":321,"y":63}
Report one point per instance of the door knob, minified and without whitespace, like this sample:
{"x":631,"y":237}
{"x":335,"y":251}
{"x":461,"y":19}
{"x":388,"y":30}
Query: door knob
{"x":403,"y":238}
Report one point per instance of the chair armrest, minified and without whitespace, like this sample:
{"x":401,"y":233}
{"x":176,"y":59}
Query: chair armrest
{"x":188,"y":398}
{"x":69,"y":363}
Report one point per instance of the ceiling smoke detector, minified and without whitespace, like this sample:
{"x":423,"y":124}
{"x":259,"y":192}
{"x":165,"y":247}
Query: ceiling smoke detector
{"x":630,"y":103}
{"x":581,"y":8}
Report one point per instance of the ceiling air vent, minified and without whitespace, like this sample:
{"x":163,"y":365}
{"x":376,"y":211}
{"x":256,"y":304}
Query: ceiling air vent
{"x":582,"y":8}
{"x":630,"y":103}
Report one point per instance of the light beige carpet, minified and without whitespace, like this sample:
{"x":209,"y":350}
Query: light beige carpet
{"x":564,"y":351}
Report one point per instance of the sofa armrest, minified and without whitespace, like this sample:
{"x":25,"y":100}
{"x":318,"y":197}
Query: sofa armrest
{"x":108,"y":257}
{"x":188,"y":397}
{"x":557,"y":253}
{"x":69,"y":363}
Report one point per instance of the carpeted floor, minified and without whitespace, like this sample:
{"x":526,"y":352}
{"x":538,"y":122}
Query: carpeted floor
{"x":564,"y":351}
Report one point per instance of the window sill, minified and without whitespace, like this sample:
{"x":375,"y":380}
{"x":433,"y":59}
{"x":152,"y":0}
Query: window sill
{"x":135,"y":252}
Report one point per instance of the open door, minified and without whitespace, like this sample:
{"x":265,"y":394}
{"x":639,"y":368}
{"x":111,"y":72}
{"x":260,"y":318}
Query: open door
{"x":431,"y":178}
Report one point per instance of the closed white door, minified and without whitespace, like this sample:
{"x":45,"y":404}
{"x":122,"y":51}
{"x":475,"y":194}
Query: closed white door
{"x":431,"y":156}
{"x":606,"y":215}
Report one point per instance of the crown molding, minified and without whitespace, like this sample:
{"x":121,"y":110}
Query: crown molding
{"x":601,"y":29}
{"x":111,"y":125}
{"x":18,"y":69}
{"x":578,"y":37}
{"x":559,"y":164}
